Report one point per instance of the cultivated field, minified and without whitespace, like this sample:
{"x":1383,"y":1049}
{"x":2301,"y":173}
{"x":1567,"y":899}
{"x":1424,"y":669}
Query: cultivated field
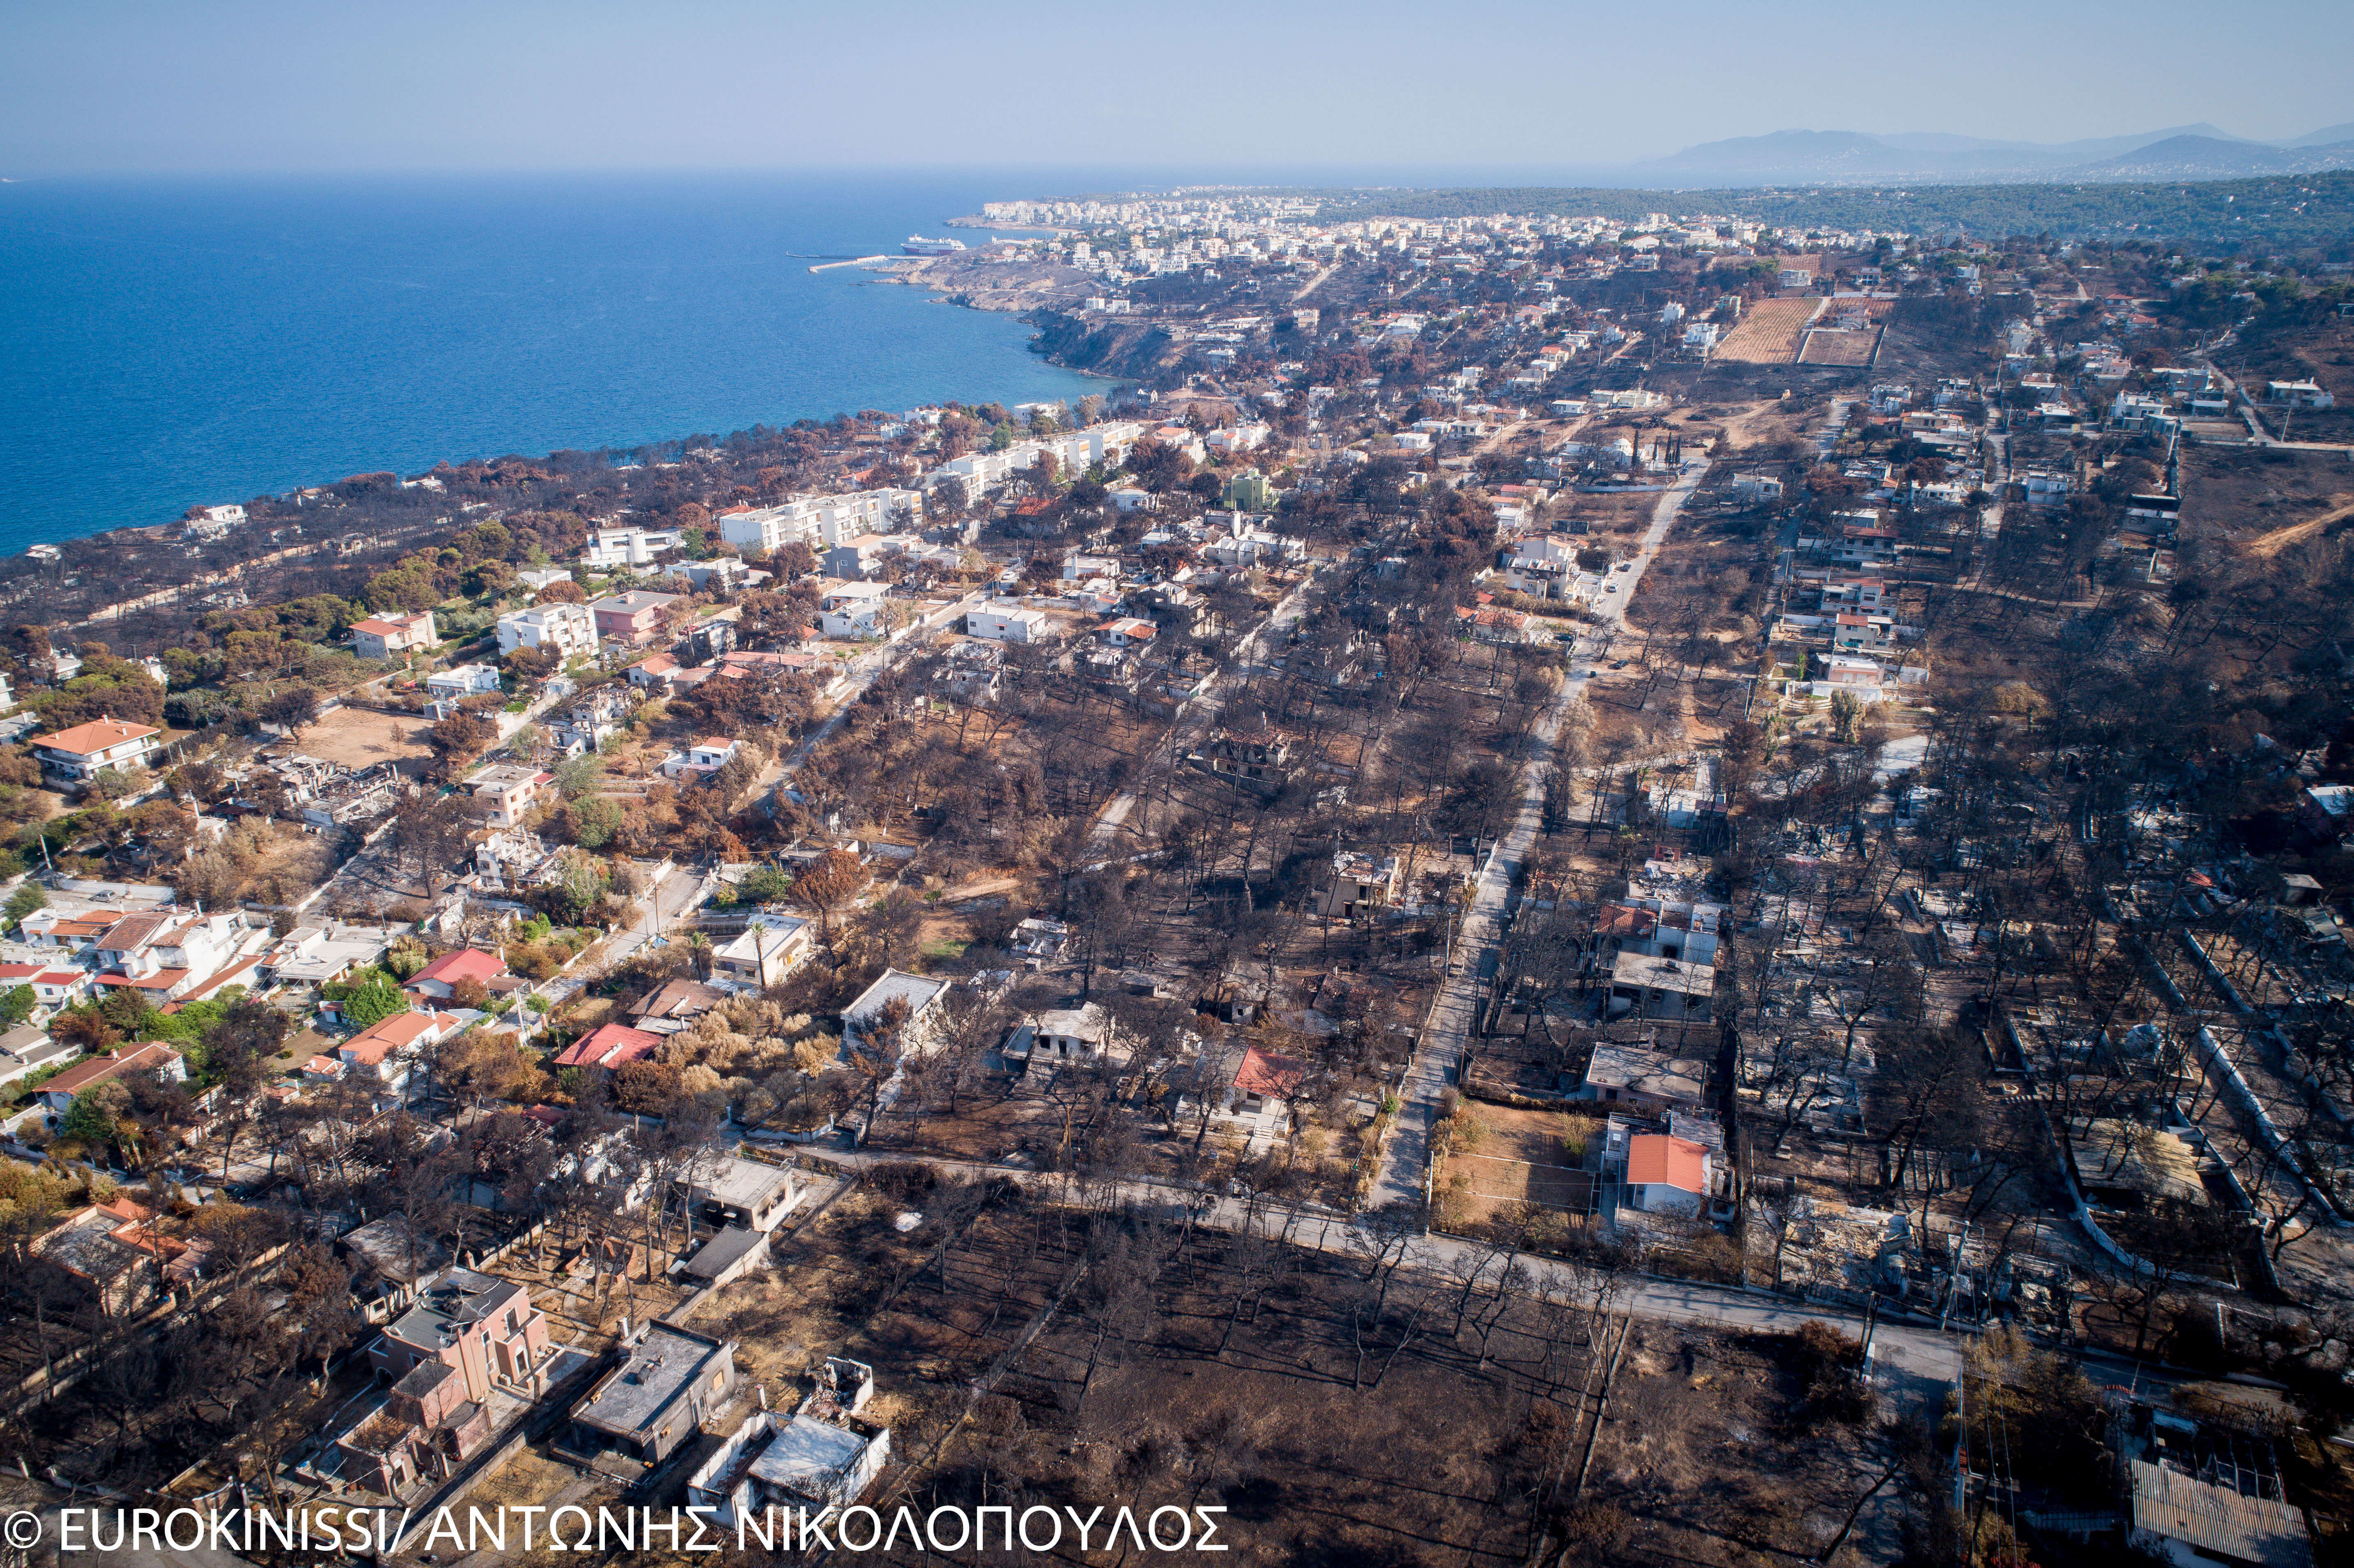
{"x":356,"y":738}
{"x":1769,"y":332}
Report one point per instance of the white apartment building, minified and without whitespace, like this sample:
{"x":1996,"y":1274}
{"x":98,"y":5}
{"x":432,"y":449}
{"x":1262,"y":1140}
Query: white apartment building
{"x":820,"y":520}
{"x":563,"y":630}
{"x":1541,"y":565}
{"x":1075,"y":452}
{"x":628,"y":546}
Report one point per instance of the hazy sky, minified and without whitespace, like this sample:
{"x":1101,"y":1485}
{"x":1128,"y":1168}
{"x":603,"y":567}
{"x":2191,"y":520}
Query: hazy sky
{"x":106,"y":85}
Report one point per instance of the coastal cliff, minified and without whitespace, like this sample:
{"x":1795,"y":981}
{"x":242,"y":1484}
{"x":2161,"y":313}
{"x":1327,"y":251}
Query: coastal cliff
{"x":1129,"y":351}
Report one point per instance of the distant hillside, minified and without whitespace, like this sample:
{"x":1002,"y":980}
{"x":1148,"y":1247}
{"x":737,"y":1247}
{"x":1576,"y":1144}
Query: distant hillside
{"x":2200,"y":152}
{"x":2328,"y":135}
{"x":2206,"y":158}
{"x":2278,"y":213}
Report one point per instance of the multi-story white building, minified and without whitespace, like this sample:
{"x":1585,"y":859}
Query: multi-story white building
{"x":819,"y":521}
{"x":851,"y":611}
{"x":1542,"y":566}
{"x":770,"y":948}
{"x":628,"y":546}
{"x":509,"y":792}
{"x":1076,"y":452}
{"x":563,"y":630}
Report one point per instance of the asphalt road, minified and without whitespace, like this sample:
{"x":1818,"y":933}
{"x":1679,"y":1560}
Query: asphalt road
{"x":1447,"y":1031}
{"x":1906,"y":1350}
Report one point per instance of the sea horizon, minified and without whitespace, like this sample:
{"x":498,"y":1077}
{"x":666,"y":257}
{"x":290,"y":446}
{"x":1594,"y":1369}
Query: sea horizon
{"x":179,"y":341}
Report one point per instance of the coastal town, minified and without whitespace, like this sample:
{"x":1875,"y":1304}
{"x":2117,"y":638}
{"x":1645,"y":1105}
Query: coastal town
{"x":1555,"y":887}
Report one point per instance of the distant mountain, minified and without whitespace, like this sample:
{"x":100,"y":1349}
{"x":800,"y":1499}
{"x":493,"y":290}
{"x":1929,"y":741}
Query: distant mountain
{"x":1841,"y":156}
{"x":2201,"y":151}
{"x":2205,"y":158}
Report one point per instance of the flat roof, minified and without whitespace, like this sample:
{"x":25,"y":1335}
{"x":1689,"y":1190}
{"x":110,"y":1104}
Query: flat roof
{"x":653,"y":1371}
{"x":723,"y":1251}
{"x":804,"y":1453}
{"x":916,"y":991}
{"x":740,"y":1183}
{"x":1663,"y":974}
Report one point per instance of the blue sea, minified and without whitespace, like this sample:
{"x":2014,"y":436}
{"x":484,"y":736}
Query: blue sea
{"x":164,"y":343}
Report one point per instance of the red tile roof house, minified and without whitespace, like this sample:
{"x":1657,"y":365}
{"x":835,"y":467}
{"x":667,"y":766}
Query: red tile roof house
{"x":435,"y":981}
{"x":74,"y":932}
{"x":385,"y":1051}
{"x":51,"y":988}
{"x":1264,"y":1075}
{"x":169,"y":952}
{"x":87,"y":750}
{"x":1127,"y":631}
{"x":1666,"y":1174}
{"x":389,"y":636}
{"x":59,"y":1093}
{"x":608,"y":1046}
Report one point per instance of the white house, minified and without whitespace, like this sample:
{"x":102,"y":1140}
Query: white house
{"x":1666,"y":1174}
{"x":704,"y":758}
{"x":386,"y":1052}
{"x":465,"y":681}
{"x":628,"y":546}
{"x":920,"y":995}
{"x":1235,"y":440}
{"x":1006,"y":625}
{"x":563,"y":630}
{"x":1073,"y":1033}
{"x":1128,"y":632}
{"x":1844,"y":671}
{"x":87,"y":750}
{"x":851,"y":611}
{"x":1542,"y":566}
{"x":770,"y":948}
{"x":57,"y":1094}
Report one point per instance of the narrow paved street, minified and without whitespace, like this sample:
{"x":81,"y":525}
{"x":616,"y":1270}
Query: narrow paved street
{"x":1446,"y":1032}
